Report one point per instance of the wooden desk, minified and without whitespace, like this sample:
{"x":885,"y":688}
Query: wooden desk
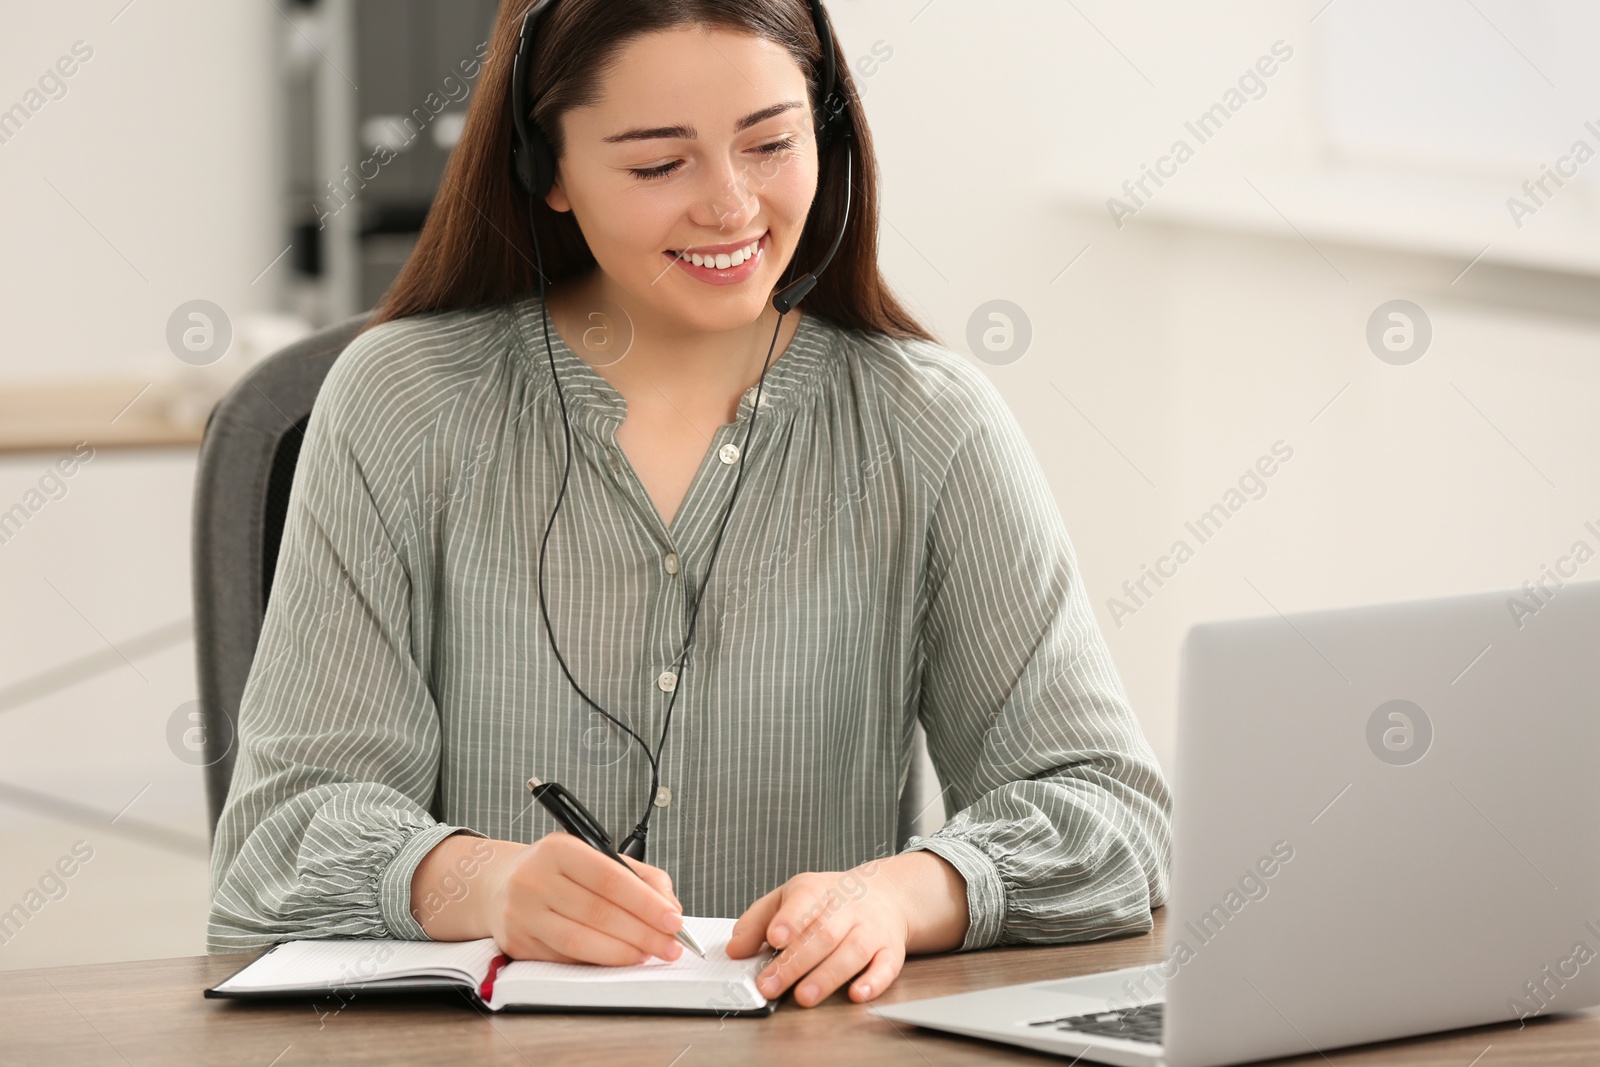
{"x":151,"y":1012}
{"x":53,"y":417}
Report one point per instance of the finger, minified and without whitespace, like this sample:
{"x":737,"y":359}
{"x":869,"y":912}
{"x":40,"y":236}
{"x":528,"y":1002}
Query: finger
{"x":584,"y":944}
{"x":541,"y":951}
{"x":524,"y":946}
{"x":807,"y":949}
{"x":659,"y":880}
{"x":605,"y":877}
{"x":838,"y":968}
{"x":803,"y":905}
{"x":572,"y":901}
{"x":880,"y":973}
{"x":751,"y":928}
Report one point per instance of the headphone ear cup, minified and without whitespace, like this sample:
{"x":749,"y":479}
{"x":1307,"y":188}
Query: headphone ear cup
{"x":521,"y":167}
{"x":832,"y":121}
{"x":543,"y":165}
{"x":533,"y":165}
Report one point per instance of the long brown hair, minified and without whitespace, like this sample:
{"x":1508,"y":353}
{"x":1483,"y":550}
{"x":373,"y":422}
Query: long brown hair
{"x":475,"y":249}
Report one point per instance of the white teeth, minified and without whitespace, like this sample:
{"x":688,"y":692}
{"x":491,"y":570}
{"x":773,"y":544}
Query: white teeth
{"x":724,"y":260}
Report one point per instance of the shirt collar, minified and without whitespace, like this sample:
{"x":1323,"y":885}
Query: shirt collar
{"x":793,"y":376}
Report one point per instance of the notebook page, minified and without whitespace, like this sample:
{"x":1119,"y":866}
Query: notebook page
{"x":712,"y":934}
{"x":349,"y":962}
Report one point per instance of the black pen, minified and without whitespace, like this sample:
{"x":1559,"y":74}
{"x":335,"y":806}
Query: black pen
{"x":576,"y":820}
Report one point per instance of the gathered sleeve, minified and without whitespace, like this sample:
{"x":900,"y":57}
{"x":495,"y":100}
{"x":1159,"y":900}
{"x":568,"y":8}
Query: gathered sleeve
{"x":1061,"y":821}
{"x":328,"y":811}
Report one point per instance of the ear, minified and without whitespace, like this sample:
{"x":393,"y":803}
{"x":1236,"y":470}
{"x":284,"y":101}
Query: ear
{"x":556,"y":198}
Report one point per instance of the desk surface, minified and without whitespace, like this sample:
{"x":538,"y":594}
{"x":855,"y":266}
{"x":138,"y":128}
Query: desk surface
{"x":151,"y":1012}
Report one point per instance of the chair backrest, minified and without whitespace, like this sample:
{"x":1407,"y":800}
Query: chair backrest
{"x":247,"y":460}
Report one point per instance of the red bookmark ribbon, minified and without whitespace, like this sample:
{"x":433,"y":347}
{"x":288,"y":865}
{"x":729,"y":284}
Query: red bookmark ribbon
{"x":486,"y":990}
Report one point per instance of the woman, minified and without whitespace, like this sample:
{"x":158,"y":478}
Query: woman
{"x":894,"y":555}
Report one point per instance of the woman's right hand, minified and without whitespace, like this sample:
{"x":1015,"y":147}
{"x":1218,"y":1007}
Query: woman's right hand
{"x":559,"y":899}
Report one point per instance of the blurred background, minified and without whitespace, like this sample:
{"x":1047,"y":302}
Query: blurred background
{"x":1353,"y":243}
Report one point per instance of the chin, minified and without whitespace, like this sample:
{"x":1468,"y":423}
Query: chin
{"x":727,"y":313}
{"x":715,"y":309}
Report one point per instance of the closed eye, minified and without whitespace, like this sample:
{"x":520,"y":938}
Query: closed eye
{"x":650,"y":173}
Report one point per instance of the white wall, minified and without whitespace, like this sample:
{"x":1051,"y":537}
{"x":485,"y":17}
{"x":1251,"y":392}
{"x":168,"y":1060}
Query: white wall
{"x":96,"y":660}
{"x":153,"y":181}
{"x":1186,"y":353}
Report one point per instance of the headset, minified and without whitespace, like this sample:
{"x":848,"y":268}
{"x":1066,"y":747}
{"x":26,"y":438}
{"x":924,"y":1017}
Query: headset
{"x":533,"y":166}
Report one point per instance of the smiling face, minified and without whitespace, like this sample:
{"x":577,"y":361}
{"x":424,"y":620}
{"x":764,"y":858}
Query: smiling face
{"x":701,"y":143}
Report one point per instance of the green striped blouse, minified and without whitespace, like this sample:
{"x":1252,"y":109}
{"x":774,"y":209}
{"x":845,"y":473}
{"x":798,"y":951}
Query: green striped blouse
{"x":895,"y":554}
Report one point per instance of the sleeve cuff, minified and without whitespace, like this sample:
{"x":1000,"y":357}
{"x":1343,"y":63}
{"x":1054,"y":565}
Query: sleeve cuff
{"x":986,"y":893}
{"x":394,"y":884}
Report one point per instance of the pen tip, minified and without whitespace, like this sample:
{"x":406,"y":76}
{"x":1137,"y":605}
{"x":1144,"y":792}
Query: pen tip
{"x":687,"y":940}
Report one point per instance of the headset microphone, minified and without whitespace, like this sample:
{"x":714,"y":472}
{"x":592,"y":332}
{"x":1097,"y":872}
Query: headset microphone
{"x":533,"y":166}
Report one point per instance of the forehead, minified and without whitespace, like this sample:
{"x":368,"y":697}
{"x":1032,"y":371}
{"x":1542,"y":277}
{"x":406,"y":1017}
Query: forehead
{"x":700,"y":77}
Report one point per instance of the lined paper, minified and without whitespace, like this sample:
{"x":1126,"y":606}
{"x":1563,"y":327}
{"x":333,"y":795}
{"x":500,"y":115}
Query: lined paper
{"x":326,"y":962}
{"x":712,"y":934}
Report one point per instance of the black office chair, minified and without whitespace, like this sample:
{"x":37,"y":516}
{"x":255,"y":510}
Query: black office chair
{"x":247,"y":458}
{"x":241,"y":494}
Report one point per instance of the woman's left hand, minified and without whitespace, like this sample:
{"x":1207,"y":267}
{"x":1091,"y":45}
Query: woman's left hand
{"x":833,"y":925}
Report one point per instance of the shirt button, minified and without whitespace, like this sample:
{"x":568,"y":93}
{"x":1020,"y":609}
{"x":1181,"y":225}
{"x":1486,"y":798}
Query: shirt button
{"x":663,"y":797}
{"x":728,"y":453}
{"x":671,"y":562}
{"x":667,"y":681}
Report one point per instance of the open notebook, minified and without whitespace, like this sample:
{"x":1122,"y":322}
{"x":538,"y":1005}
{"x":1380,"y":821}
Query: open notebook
{"x":348,"y":967}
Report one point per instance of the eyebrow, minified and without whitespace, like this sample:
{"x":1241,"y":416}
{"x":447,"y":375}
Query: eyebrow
{"x":687,"y":133}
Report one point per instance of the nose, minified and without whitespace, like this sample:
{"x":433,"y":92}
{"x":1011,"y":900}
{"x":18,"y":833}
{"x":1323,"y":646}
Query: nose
{"x":727,"y":203}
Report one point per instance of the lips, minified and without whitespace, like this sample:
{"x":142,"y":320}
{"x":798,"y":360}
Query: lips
{"x":720,"y":276}
{"x":713,"y":250}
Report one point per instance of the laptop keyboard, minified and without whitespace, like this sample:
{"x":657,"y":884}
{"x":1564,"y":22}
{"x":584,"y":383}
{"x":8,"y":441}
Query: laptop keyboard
{"x":1142,"y":1023}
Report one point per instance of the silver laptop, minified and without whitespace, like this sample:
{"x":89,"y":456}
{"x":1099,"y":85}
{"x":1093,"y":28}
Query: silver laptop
{"x":1386,"y":823}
